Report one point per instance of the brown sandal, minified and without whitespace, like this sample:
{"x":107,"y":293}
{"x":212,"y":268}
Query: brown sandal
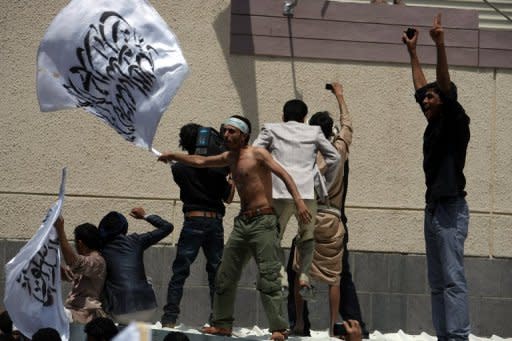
{"x":217,"y":331}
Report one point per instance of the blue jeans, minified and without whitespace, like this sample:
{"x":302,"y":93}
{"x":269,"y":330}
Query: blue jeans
{"x":197,"y":232}
{"x":446,"y":229}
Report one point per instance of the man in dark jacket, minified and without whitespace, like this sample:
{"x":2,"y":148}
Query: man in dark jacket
{"x":128,"y":294}
{"x":202,"y":191}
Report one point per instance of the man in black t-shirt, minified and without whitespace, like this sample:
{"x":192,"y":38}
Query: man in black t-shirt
{"x":202,"y":191}
{"x":445,"y":143}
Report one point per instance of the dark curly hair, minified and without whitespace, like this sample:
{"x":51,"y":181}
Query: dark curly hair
{"x":89,"y":235}
{"x":295,"y":110}
{"x":176,"y":336}
{"x":324,"y":120}
{"x":46,"y":334}
{"x":188,"y":137}
{"x":101,"y":328}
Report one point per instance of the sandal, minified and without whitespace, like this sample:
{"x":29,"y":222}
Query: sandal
{"x":217,"y":331}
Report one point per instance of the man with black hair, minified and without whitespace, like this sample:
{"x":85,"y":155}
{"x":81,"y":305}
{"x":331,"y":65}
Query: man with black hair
{"x":176,"y":336}
{"x":330,"y":263}
{"x":128,"y":294}
{"x":445,"y":144}
{"x":329,"y":229}
{"x":255,"y":229}
{"x":295,"y":145}
{"x":87,"y":270}
{"x":46,"y":334}
{"x":202,"y":191}
{"x":100,"y":329}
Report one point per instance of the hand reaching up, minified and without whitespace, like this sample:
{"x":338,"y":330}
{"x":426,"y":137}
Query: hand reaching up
{"x":437,"y":32}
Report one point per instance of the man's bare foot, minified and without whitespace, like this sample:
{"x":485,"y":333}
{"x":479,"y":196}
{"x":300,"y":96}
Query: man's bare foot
{"x":217,"y":331}
{"x":279,"y":335}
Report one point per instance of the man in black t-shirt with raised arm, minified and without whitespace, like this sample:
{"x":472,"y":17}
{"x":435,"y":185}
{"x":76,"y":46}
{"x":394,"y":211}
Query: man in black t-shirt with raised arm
{"x":202,"y":191}
{"x":445,"y":142}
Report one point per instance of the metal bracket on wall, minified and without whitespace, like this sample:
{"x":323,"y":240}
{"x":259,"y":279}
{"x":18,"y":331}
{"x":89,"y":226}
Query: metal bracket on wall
{"x":289,"y":7}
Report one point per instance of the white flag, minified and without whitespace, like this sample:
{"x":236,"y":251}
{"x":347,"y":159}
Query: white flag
{"x":116,"y":59}
{"x":33,"y":295}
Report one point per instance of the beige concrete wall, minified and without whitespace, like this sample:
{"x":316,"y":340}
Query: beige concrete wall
{"x":386,"y":189}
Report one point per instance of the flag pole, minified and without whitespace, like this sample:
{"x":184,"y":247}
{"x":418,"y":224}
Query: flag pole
{"x":156,"y":152}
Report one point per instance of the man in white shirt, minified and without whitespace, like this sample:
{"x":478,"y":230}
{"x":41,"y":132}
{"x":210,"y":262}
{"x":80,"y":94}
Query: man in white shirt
{"x":294,"y":145}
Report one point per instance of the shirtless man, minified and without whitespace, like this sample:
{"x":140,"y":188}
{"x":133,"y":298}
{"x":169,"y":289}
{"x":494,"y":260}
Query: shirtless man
{"x":255,"y":232}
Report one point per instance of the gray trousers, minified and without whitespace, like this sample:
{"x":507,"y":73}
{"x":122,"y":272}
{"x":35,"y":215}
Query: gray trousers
{"x":446,"y":229}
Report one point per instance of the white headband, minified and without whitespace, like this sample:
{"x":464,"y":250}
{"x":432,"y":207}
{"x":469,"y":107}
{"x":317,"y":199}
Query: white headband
{"x":238,"y":123}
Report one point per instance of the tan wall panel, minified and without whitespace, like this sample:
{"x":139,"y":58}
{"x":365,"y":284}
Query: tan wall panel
{"x":386,"y":184}
{"x":475,"y":89}
{"x":386,"y":230}
{"x":503,"y":138}
{"x":24,"y":213}
{"x":502,"y":238}
{"x":402,"y":231}
{"x":480,"y":239}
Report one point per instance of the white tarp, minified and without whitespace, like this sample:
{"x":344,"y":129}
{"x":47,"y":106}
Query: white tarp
{"x":116,"y":59}
{"x":258,"y":334}
{"x":33,"y":295}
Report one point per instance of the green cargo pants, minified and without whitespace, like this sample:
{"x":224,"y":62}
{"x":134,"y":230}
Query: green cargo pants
{"x":256,"y":237}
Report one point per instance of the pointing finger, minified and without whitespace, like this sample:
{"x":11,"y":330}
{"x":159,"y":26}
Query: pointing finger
{"x":437,"y":20}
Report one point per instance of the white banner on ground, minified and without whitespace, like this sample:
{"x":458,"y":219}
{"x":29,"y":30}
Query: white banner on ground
{"x":33,"y":295}
{"x":116,"y":59}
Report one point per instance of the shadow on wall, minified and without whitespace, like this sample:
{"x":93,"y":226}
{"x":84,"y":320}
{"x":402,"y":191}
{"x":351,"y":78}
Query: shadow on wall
{"x":241,"y":69}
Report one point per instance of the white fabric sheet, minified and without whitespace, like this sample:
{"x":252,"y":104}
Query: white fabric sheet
{"x":33,"y":295}
{"x":257,"y":333}
{"x":116,"y":59}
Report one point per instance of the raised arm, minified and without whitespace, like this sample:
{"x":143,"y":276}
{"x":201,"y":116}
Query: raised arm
{"x":337,"y":90}
{"x":163,"y":227}
{"x":198,"y":161}
{"x":345,"y":120}
{"x":418,"y":78}
{"x":442,"y":74}
{"x":67,"y":251}
{"x":303,"y":212}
